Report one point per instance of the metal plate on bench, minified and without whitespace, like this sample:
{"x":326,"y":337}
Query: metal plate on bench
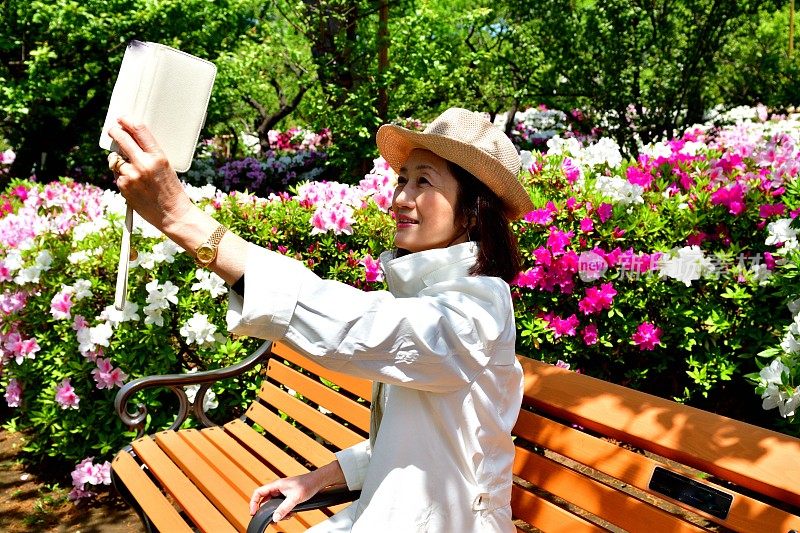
{"x":686,"y":490}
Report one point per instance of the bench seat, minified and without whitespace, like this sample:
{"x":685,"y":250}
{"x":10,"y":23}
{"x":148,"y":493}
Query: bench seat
{"x":590,"y":456}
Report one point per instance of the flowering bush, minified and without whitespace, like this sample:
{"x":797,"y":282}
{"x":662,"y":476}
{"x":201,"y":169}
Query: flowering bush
{"x":66,"y":350}
{"x":667,"y":273}
{"x":660,"y":273}
{"x":293,"y":156}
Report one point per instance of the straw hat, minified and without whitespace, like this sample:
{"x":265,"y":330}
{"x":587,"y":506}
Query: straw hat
{"x":471,"y":142}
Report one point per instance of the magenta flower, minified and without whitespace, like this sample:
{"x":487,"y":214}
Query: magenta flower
{"x":604,"y":211}
{"x":587,"y":225}
{"x":65,"y":395}
{"x":372,"y":268}
{"x":542,"y":216}
{"x":647,"y":336}
{"x":558,"y":240}
{"x":562,"y":326}
{"x":769,"y":261}
{"x":106,"y":376}
{"x":638,"y":176}
{"x":589,"y":334}
{"x":571,"y":171}
{"x":529,"y":278}
{"x":731,"y":197}
{"x":13,"y":393}
{"x":597,"y":299}
{"x":770,"y":210}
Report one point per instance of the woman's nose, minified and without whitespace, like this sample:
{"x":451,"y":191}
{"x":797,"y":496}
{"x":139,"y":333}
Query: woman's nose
{"x":403,"y":197}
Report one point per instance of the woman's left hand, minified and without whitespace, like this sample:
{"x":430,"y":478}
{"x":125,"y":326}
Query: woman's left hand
{"x":146,"y":179}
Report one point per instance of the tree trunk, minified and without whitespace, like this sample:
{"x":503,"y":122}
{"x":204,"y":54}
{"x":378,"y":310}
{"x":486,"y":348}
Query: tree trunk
{"x":383,"y":59}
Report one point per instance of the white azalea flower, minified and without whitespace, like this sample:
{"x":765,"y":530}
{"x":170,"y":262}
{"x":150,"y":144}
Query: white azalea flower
{"x":559,"y":146}
{"x":115,"y":317}
{"x":685,"y":264}
{"x":153,"y":316}
{"x":604,"y":151}
{"x":82,"y":289}
{"x":790,"y":344}
{"x":210,"y":399}
{"x":198,"y":330}
{"x":771,"y":375}
{"x":13,"y":260}
{"x":101,"y":333}
{"x":160,"y":296}
{"x":28,"y":275}
{"x":659,"y":149}
{"x":165,"y":251}
{"x":619,"y":190}
{"x":91,"y":227}
{"x":44,"y":260}
{"x":209,"y":281}
{"x":780,"y":232}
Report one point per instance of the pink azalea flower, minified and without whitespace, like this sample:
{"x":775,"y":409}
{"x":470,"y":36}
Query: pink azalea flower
{"x":11,"y":302}
{"x":13,"y":393}
{"x":587,"y":225}
{"x":562,"y":364}
{"x":61,"y":304}
{"x":372,"y":269}
{"x":647,"y":336}
{"x":571,"y":203}
{"x":65,"y":395}
{"x":106,"y":376}
{"x":79,"y":323}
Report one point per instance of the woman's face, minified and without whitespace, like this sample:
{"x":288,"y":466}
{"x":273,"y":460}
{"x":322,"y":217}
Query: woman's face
{"x":424,"y":204}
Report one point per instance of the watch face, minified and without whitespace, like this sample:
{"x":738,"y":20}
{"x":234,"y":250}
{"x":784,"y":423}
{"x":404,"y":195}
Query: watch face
{"x":205,"y":253}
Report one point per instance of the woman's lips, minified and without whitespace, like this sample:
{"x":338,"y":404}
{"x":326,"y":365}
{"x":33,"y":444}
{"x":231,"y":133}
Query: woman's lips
{"x":405,"y":222}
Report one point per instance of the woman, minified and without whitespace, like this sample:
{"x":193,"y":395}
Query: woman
{"x":439,"y":344}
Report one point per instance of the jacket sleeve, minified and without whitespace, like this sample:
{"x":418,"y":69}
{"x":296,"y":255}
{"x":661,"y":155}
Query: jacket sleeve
{"x":437,"y":341}
{"x":354,"y":462}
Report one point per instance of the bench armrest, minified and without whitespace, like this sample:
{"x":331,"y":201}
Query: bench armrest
{"x":177,"y":382}
{"x":325,"y":498}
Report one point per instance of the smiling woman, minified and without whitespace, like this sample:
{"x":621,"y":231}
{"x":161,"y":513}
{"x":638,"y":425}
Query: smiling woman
{"x":439,"y":344}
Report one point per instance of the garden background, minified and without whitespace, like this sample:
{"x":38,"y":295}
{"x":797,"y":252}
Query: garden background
{"x":659,"y":143}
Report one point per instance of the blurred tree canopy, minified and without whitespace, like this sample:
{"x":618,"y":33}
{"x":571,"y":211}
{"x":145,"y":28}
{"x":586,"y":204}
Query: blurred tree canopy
{"x":648,"y":67}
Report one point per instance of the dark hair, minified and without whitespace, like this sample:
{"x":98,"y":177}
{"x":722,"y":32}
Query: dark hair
{"x":482,"y":211}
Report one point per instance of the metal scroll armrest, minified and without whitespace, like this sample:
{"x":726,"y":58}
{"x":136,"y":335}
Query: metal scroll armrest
{"x":177,"y":382}
{"x":325,"y":498}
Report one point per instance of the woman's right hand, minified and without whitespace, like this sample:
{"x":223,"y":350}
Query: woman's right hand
{"x":296,"y":489}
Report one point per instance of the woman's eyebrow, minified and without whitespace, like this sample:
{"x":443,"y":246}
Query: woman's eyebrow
{"x":421,"y":166}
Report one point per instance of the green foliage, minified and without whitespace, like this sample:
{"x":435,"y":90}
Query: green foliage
{"x":58,"y":60}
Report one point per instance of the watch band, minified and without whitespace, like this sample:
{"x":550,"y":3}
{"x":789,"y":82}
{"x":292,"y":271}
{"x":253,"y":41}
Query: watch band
{"x":207,"y":252}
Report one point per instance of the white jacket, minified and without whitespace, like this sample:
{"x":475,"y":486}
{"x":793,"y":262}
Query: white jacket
{"x":443,"y":343}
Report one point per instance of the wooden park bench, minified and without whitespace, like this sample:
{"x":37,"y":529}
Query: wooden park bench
{"x":591,"y":456}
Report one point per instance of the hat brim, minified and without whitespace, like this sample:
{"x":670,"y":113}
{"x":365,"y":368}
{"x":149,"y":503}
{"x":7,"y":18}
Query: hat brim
{"x":396,"y":143}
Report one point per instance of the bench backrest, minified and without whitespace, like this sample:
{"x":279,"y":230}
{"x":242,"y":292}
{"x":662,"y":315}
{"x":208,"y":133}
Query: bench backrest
{"x":627,"y":458}
{"x":587,"y":451}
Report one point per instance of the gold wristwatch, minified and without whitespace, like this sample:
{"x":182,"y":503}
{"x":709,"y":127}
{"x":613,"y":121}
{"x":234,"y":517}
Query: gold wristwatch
{"x":205,"y":254}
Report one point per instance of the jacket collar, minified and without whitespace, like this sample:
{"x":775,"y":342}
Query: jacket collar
{"x":406,"y":276}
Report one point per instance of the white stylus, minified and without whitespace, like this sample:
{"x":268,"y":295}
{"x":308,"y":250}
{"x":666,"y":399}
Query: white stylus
{"x":124,"y":259}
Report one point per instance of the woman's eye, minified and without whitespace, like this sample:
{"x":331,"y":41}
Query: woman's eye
{"x":402,"y":180}
{"x":424,"y":181}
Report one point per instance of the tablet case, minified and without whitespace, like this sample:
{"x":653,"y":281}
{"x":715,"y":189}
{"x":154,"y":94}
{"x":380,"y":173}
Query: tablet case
{"x":167,"y":90}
